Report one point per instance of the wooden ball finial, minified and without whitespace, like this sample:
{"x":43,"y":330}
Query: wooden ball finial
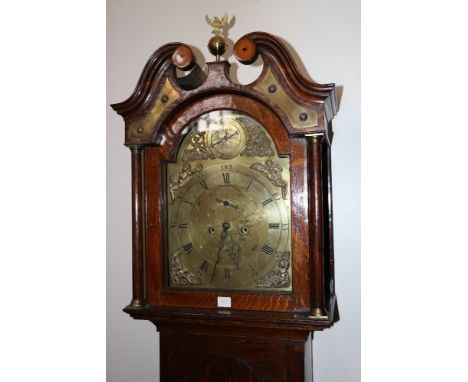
{"x":245,"y":50}
{"x":183,"y":57}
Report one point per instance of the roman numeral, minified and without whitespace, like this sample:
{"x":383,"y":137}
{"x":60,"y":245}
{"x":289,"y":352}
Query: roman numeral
{"x":186,"y":201}
{"x":183,"y":225}
{"x":265,"y":202}
{"x":276,"y":196}
{"x":188,"y":247}
{"x":203,"y":184}
{"x":273,"y":225}
{"x":204,"y":266}
{"x":226,"y":177}
{"x":227,"y":273}
{"x":284,"y":226}
{"x":266,"y":249}
{"x":248,"y":186}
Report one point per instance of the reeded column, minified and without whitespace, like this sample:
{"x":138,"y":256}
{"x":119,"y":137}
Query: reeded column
{"x":138,"y":299}
{"x":317,"y":303}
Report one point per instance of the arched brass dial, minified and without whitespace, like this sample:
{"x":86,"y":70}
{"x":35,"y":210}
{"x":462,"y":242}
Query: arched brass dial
{"x":229,"y":216}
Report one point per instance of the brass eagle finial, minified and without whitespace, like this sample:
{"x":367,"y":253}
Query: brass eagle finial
{"x":217,"y":45}
{"x":216,"y":23}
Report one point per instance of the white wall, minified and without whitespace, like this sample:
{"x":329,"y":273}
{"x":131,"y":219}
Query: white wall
{"x":326,"y":35}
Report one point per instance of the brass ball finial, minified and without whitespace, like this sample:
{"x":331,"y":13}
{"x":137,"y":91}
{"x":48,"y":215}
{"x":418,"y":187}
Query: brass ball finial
{"x":217,"y":45}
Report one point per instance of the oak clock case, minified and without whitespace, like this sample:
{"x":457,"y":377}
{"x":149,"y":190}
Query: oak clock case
{"x":231,"y":198}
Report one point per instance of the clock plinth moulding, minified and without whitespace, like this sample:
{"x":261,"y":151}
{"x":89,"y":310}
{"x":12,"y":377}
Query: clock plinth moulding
{"x":262,"y":336}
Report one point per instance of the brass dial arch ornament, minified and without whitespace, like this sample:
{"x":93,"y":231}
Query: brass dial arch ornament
{"x":231,"y":202}
{"x":225,"y":137}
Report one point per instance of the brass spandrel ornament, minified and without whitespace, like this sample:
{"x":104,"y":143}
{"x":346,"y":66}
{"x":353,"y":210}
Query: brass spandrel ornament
{"x":217,"y":45}
{"x":180,"y":274}
{"x":272,"y":172}
{"x":179,"y":179}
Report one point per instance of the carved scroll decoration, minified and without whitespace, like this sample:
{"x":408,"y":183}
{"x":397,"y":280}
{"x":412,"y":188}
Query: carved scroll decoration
{"x":179,"y":179}
{"x":272,"y":171}
{"x":278,"y":278}
{"x":180,"y":275}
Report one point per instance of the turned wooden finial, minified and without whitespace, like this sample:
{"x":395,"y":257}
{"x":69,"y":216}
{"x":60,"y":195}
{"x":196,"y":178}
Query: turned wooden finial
{"x":183,"y":57}
{"x":245,"y":50}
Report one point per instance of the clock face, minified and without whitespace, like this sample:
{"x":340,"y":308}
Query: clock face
{"x":229,"y":224}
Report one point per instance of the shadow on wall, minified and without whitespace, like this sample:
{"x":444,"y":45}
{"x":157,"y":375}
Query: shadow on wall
{"x":302,"y":69}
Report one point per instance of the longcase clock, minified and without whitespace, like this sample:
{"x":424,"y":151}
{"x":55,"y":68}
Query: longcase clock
{"x":232,"y":212}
